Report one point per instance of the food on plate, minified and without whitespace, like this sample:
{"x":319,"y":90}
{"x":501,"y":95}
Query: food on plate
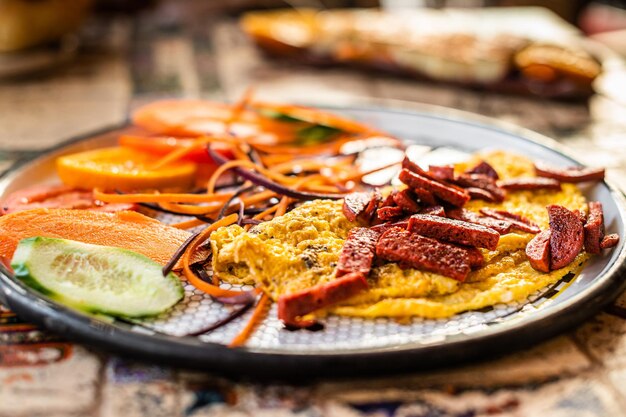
{"x":124,"y":229}
{"x":422,"y":266}
{"x":122,"y":169}
{"x":428,"y":44}
{"x":57,"y":196}
{"x":98,"y":279}
{"x":287,"y":215}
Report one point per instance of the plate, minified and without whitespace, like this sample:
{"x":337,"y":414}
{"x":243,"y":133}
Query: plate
{"x":347,"y":346}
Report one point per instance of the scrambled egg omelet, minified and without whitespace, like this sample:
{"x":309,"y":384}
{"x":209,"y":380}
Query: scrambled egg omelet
{"x":301,"y":249}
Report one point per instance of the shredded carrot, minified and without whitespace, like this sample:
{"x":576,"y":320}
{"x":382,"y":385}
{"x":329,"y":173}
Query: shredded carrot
{"x":212,"y":208}
{"x":283,"y":206}
{"x":188,"y":224}
{"x":260,"y":311}
{"x":160,"y":198}
{"x":200,"y":284}
{"x":190,"y":209}
{"x":238,"y":163}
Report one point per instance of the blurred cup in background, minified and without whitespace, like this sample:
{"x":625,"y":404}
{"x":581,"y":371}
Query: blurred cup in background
{"x":29,"y":23}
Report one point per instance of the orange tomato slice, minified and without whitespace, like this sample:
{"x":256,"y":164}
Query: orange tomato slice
{"x":163,"y":145}
{"x":123,"y":169}
{"x":200,"y":117}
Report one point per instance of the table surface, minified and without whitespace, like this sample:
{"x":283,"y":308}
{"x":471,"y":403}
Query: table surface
{"x":125,"y":62}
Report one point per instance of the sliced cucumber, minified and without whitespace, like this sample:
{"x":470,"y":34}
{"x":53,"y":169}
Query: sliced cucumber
{"x":98,"y":279}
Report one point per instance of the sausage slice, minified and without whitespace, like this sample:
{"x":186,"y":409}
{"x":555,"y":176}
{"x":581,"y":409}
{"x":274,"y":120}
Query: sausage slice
{"x":480,"y":194}
{"x":454,"y":231}
{"x":501,"y":226}
{"x":531,"y":183}
{"x":609,"y":241}
{"x":419,"y":252}
{"x":484,"y":183}
{"x":569,"y":174}
{"x":566,"y":240}
{"x":292,"y":306}
{"x":594,"y":227}
{"x":453,"y":195}
{"x":361,"y":205}
{"x":441,"y":172}
{"x":518,"y":222}
{"x":434,"y":210}
{"x":425,"y":197}
{"x":538,"y":251}
{"x":485,"y":169}
{"x":406,"y":200}
{"x":389,"y":213}
{"x":358,"y":252}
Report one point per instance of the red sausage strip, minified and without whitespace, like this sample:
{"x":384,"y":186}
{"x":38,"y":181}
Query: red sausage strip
{"x":518,"y":222}
{"x":354,"y":204}
{"x":406,"y":200}
{"x":425,"y":197}
{"x":389,"y":213}
{"x":567,"y":236}
{"x":441,"y":172}
{"x":388,"y":201}
{"x":434,"y":210}
{"x":413,"y":167}
{"x":484,"y":183}
{"x":485,"y":169}
{"x":372,"y":206}
{"x":474,"y":256}
{"x":453,"y":195}
{"x":531,"y":183}
{"x":382,"y":228}
{"x":594,"y":227}
{"x":609,"y":241}
{"x":501,"y":226}
{"x":292,"y":306}
{"x":538,"y":251}
{"x":358,"y":252}
{"x":455,"y":231}
{"x":569,"y":174}
{"x":361,"y":205}
{"x":419,"y":252}
{"x":480,"y":194}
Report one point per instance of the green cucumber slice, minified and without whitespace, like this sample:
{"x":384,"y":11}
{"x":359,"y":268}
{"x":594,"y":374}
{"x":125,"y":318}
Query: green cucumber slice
{"x":97,"y":279}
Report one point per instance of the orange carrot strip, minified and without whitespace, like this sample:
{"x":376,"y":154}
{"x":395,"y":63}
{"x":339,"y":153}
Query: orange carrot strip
{"x":282,"y":206}
{"x":160,"y":197}
{"x":188,"y":224}
{"x":190,"y":209}
{"x":246,"y":164}
{"x":267,"y":212}
{"x":260,"y":311}
{"x":200,"y":284}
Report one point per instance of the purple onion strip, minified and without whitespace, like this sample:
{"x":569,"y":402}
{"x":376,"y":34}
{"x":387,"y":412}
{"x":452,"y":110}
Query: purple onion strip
{"x":263,"y":181}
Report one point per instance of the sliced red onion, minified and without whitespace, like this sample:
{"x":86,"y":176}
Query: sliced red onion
{"x":263,"y":181}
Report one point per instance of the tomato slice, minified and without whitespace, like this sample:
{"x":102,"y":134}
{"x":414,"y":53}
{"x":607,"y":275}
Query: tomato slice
{"x":57,"y":196}
{"x":201,"y":117}
{"x":163,"y":145}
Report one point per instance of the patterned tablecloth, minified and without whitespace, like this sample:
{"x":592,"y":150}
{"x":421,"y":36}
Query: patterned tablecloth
{"x":126,"y":62}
